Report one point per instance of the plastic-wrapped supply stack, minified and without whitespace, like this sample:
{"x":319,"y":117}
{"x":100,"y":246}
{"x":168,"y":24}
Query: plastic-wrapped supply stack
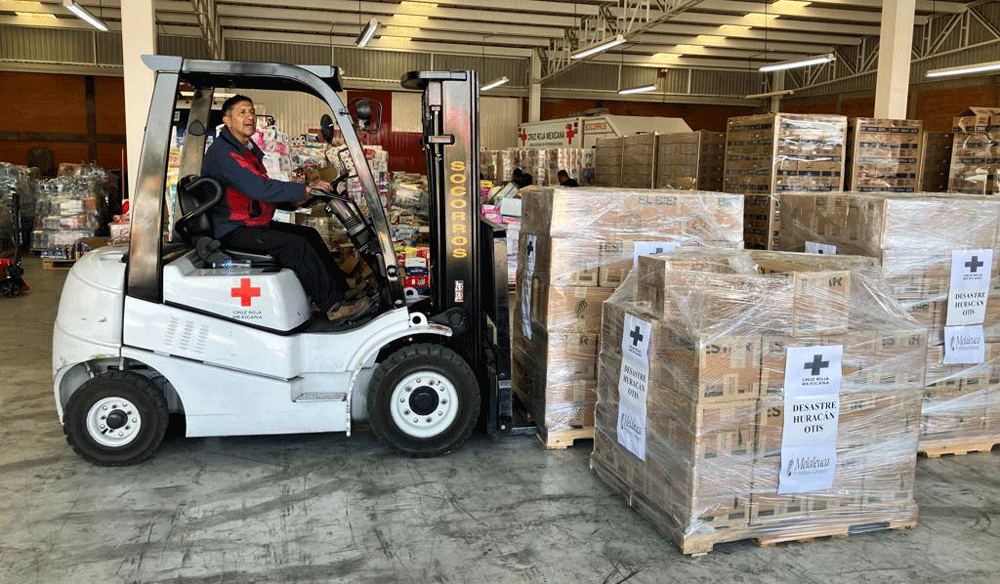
{"x":22,"y":180}
{"x":975,"y":153}
{"x":884,"y":155}
{"x":608,"y":159}
{"x":576,"y":246}
{"x":746,"y":394}
{"x":639,"y":161}
{"x":409,"y":210}
{"x":779,"y":153}
{"x":691,"y":161}
{"x":938,"y":257}
{"x":69,"y":209}
{"x":935,"y":162}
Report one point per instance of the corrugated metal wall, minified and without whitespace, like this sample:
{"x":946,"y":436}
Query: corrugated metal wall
{"x":295,"y":112}
{"x":499,"y":118}
{"x":46,"y":45}
{"x":604,"y":77}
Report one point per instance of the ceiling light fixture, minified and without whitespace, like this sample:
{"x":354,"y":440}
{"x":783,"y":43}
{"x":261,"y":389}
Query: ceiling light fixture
{"x":817,"y":60}
{"x":494,"y":83}
{"x":965,"y":69}
{"x":368,"y":34}
{"x":770,"y":94}
{"x":40,"y":15}
{"x":599,"y":47}
{"x":85,"y":15}
{"x":640,"y":89}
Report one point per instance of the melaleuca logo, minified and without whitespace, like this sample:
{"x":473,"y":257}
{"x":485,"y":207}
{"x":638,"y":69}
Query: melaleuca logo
{"x":581,"y":307}
{"x":789,"y":471}
{"x":963,"y":342}
{"x":807,"y":463}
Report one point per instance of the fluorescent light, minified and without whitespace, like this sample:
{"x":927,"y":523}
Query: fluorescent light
{"x":365,"y":37}
{"x":599,"y":47}
{"x":965,"y":69}
{"x":494,"y":83}
{"x":83,"y":14}
{"x":40,"y":15}
{"x":640,"y":89}
{"x":770,"y":94}
{"x":818,"y":60}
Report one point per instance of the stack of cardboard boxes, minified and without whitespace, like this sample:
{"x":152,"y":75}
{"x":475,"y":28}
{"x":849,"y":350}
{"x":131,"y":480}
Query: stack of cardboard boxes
{"x":608,"y":162}
{"x":639,"y":161}
{"x":691,"y":421}
{"x":691,"y":160}
{"x":576,"y":246}
{"x":884,"y":155}
{"x":975,"y":153}
{"x":778,"y":153}
{"x":921,"y":242}
{"x":935,"y":162}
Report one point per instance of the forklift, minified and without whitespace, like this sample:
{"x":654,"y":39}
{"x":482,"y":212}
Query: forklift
{"x":175,"y":323}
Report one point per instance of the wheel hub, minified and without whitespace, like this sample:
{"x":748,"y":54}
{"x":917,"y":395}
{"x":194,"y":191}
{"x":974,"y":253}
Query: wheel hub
{"x":424,"y":400}
{"x":116,"y":419}
{"x":113,"y":422}
{"x":424,"y":404}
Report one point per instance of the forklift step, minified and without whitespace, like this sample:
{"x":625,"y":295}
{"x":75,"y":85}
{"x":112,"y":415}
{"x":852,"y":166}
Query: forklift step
{"x":321,"y":396}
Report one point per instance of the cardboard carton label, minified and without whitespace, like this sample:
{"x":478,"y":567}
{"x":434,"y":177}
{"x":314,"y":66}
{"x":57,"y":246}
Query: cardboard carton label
{"x":633,"y":385}
{"x":812,"y":407}
{"x":964,"y":345}
{"x":970,"y":286}
{"x":820,"y":248}
{"x":651,"y":248}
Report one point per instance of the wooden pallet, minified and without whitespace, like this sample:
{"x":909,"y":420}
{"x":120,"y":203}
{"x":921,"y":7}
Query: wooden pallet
{"x":563,"y":439}
{"x":957,"y":446}
{"x":49,"y":264}
{"x":902,"y":520}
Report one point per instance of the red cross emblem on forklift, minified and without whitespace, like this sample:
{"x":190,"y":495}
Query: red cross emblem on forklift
{"x":245,"y":292}
{"x":523,"y":137}
{"x":570,"y":132}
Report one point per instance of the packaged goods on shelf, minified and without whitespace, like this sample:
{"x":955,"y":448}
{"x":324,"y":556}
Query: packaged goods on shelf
{"x":884,"y":155}
{"x":691,"y":161}
{"x":975,"y":153}
{"x":543,"y":164}
{"x":777,"y":153}
{"x":23,"y":181}
{"x":69,"y":208}
{"x":575,"y":247}
{"x":935,"y":162}
{"x":639,"y":161}
{"x":408,"y":209}
{"x":276,"y":147}
{"x":938,"y":256}
{"x":751,"y":394}
{"x":608,"y":161}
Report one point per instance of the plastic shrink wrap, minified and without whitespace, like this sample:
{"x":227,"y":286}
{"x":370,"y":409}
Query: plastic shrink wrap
{"x":777,"y":153}
{"x":543,"y":164}
{"x":935,"y":162}
{"x":703,"y":355}
{"x":22,"y":180}
{"x":884,"y":155}
{"x":917,"y":239}
{"x":575,"y":247}
{"x":690,"y":161}
{"x":69,"y":208}
{"x":975,"y":153}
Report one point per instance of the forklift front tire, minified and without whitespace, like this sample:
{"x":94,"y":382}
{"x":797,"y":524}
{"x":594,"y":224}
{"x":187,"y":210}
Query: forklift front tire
{"x":116,"y":418}
{"x":423,"y":400}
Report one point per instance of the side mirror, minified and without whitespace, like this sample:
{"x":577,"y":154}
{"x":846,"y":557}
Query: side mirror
{"x":363,"y":108}
{"x":365,"y":111}
{"x":326,"y":127}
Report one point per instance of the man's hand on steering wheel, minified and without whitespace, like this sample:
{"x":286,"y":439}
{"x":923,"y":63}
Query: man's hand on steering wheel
{"x":310,"y":199}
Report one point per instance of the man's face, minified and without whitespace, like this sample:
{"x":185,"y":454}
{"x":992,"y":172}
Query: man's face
{"x":241,"y":121}
{"x":563,"y":178}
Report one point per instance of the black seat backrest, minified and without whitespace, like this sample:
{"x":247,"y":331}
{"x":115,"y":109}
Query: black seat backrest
{"x":196,"y":196}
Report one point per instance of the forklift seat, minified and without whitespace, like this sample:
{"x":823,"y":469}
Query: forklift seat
{"x":196,"y":196}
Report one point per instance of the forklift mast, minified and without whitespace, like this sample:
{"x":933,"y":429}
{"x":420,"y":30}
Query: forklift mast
{"x":468,"y":271}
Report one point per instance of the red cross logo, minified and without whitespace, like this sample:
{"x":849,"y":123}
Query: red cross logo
{"x":245,"y":292}
{"x":523,"y":137}
{"x":570,"y":132}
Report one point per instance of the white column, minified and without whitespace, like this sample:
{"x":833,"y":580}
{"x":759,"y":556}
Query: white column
{"x":138,"y":38}
{"x":892,"y":86}
{"x":535,"y":89}
{"x":777,"y":84}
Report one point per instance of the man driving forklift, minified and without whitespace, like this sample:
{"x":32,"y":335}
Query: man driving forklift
{"x":242,"y":220}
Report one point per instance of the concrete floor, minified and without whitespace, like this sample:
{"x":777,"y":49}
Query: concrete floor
{"x":327,"y":508}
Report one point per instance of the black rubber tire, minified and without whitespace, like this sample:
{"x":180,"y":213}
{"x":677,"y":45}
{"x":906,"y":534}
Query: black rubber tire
{"x":10,"y":288}
{"x":139,"y":390}
{"x":423,"y":357}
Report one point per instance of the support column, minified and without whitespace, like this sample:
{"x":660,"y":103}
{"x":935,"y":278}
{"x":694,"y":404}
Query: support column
{"x":777,"y":84}
{"x":139,"y":38}
{"x":535,"y":89}
{"x":892,"y":85}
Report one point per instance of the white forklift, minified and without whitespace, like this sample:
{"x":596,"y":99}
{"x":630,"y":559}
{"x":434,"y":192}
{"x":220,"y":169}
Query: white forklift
{"x":177,"y":324}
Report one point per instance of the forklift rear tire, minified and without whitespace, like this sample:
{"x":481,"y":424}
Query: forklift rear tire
{"x":423,"y":400}
{"x":116,"y":418}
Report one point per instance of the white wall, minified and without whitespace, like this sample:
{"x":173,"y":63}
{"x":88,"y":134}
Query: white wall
{"x":499,"y":118}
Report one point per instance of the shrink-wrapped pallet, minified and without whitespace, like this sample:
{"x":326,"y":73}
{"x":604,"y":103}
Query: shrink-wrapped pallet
{"x":938,"y":256}
{"x":975,"y":153}
{"x":884,"y":155}
{"x":935,"y":162}
{"x":690,"y":161}
{"x":576,"y":245}
{"x":721,"y":417}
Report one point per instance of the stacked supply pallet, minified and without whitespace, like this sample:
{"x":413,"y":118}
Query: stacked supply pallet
{"x":975,"y":153}
{"x":639,"y":161}
{"x":884,"y":155}
{"x":938,"y":258}
{"x":935,"y":162}
{"x":720,"y":418}
{"x":576,"y":245}
{"x":608,"y":162}
{"x":691,"y":161}
{"x":778,"y":153}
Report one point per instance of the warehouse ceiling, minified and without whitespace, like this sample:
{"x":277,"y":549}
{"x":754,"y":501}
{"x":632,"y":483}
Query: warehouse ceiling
{"x":705,"y":34}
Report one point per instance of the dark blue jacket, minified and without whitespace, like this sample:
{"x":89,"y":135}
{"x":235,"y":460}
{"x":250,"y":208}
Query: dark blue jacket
{"x":250,"y":196}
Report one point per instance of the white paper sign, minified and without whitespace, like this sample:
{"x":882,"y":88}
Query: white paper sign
{"x":820,"y":248}
{"x":970,"y":286}
{"x":633,"y":386}
{"x":530,"y":253}
{"x":964,"y":345}
{"x":812,"y":414}
{"x":651,"y":248}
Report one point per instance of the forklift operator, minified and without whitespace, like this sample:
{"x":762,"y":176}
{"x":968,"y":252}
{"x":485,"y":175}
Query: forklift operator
{"x":242,"y":219}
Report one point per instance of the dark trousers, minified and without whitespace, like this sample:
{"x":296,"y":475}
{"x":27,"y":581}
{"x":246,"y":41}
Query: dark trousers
{"x":300,"y":249}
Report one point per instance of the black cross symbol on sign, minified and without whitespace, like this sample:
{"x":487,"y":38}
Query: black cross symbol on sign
{"x":531,"y":247}
{"x":974,"y":264}
{"x":636,"y":336}
{"x":816,"y":364}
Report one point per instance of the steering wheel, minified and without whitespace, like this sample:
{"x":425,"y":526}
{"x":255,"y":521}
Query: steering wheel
{"x":322,"y":195}
{"x":361,"y":234}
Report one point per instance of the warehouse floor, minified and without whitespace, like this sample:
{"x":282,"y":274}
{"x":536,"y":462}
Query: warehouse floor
{"x":328,"y":508}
